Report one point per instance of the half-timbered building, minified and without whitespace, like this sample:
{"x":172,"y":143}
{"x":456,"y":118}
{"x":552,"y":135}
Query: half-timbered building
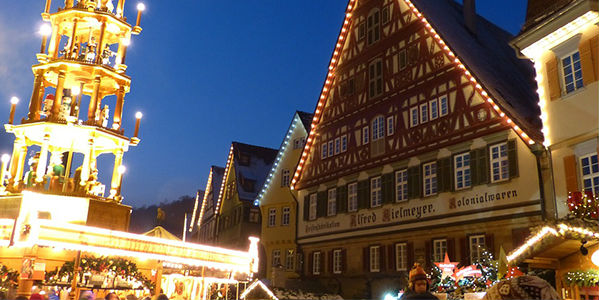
{"x":422,"y":143}
{"x":204,"y":228}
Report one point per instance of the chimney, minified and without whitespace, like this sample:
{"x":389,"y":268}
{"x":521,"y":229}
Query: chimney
{"x":470,"y":15}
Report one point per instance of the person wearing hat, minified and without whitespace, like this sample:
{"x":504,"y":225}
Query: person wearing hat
{"x":418,"y":285}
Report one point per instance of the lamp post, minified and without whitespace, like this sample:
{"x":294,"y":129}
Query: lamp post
{"x":138,"y":116}
{"x":5,"y":159}
{"x":140,"y":7}
{"x":45,"y":31}
{"x":13,"y":106}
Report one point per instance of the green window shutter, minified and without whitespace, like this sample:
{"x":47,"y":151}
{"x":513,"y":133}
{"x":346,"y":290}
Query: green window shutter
{"x":342,"y":199}
{"x":445,"y":174}
{"x":306,"y":207}
{"x":473,"y":168}
{"x":414,"y":183}
{"x":321,"y":208}
{"x":363,"y":194}
{"x":512,"y":157}
{"x":483,"y":165}
{"x":388,"y":187}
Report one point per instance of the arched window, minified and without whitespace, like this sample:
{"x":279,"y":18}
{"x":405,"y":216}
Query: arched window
{"x":378,"y":128}
{"x":373,"y":25}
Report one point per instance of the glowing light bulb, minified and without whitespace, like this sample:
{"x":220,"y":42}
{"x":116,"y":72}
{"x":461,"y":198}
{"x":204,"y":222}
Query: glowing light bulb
{"x":14,"y":100}
{"x":141,"y":6}
{"x":121,"y":169}
{"x":75,"y":90}
{"x":138,"y":115}
{"x":5,"y":158}
{"x":45,"y":29}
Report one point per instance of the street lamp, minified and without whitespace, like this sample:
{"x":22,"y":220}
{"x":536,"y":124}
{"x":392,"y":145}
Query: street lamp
{"x":140,"y":7}
{"x":13,"y":105}
{"x":45,"y":31}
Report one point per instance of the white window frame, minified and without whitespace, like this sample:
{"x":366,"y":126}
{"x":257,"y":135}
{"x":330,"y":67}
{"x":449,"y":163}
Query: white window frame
{"x":401,"y":257}
{"x":254,"y":215}
{"x":390,"y":126}
{"x":499,"y":165}
{"x":376,"y":197}
{"x":378,"y":128}
{"x":272,"y":217}
{"x":337,"y":267}
{"x":285,"y":177}
{"x":374,"y":256}
{"x":434,"y":109}
{"x":290,"y":260}
{"x":286,"y":216}
{"x":332,"y":202}
{"x":352,"y":197}
{"x":429,"y":178}
{"x":312,"y":207}
{"x":337,"y":145}
{"x":276,"y":257}
{"x":331,"y":148}
{"x":423,"y":113}
{"x":462,"y":173}
{"x":365,"y":135}
{"x":324,"y":150}
{"x":443,"y":106}
{"x":591,"y":176}
{"x":575,"y":81}
{"x":316,"y":263}
{"x":344,"y":143}
{"x":439,"y":249}
{"x":401,"y":185}
{"x":414,"y":116}
{"x":476,"y":252}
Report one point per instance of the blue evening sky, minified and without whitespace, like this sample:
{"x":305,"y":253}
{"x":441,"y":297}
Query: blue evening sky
{"x":204,"y":73}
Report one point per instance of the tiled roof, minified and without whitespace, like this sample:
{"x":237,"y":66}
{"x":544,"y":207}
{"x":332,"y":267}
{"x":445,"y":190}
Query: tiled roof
{"x":260,"y":163}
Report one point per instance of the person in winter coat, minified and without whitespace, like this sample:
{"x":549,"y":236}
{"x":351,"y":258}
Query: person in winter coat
{"x":418,"y":285}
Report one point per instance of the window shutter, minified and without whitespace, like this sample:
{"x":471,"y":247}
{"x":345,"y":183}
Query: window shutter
{"x":428,"y":257}
{"x":553,"y":78}
{"x":343,"y":261}
{"x":388,"y":187}
{"x":342,"y":199}
{"x":451,"y":248}
{"x":306,"y":208}
{"x":330,"y":262}
{"x":586,"y":62}
{"x":595,"y":55}
{"x":410,"y":251}
{"x":512,"y":158}
{"x":363,"y":194}
{"x":310,"y":264}
{"x":366,"y":259}
{"x":490,"y":243}
{"x":321,"y":206}
{"x":391,"y":257}
{"x":444,"y":174}
{"x":382,"y":258}
{"x":570,"y":170}
{"x":483,"y":166}
{"x":414,"y":182}
{"x":464,"y":251}
{"x":473,"y":167}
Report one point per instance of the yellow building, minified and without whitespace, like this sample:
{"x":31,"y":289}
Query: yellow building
{"x":278,"y":205}
{"x":562,"y":39}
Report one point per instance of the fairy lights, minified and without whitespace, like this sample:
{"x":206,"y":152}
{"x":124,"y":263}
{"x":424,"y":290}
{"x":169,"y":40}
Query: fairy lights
{"x":222,"y":185}
{"x":561,"y":230}
{"x":205,"y":198}
{"x":335,"y":58}
{"x":255,"y":284}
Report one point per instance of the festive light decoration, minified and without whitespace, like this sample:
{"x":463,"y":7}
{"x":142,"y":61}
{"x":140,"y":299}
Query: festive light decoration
{"x":447,"y":267}
{"x":296,"y":120}
{"x":583,"y":205}
{"x":224,"y":181}
{"x":595,"y":258}
{"x":8,"y":278}
{"x":195,"y":208}
{"x":586,"y":278}
{"x":256,"y":284}
{"x":559,"y":230}
{"x":440,"y":42}
{"x":205,"y":199}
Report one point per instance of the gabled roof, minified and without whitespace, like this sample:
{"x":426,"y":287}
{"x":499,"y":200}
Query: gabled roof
{"x":162,"y":233}
{"x":506,"y":82}
{"x":215,"y":177}
{"x":539,"y":10}
{"x":300,"y":118}
{"x":260,"y":163}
